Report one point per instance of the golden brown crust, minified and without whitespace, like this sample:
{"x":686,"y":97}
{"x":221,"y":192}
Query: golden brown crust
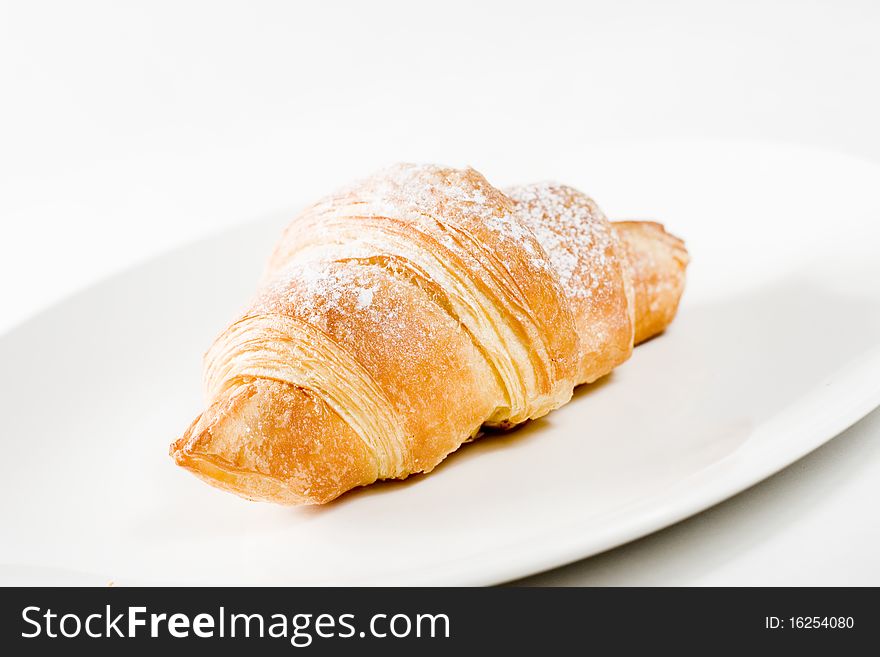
{"x":401,"y":314}
{"x":250,"y":442}
{"x":658,"y":260}
{"x":592,"y":267}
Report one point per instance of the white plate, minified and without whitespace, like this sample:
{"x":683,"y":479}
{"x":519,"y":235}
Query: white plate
{"x":776,"y":349}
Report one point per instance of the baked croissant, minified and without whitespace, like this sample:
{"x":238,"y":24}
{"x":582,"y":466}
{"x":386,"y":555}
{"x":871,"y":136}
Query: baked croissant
{"x":401,"y":315}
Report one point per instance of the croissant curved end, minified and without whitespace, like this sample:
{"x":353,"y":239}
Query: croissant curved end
{"x":658,"y":260}
{"x":227,"y":476}
{"x":272,"y":441}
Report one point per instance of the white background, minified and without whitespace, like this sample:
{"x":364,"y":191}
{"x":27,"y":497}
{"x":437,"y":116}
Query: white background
{"x":126,"y":129}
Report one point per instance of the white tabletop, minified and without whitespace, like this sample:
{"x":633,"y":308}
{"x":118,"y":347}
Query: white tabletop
{"x":126,"y":130}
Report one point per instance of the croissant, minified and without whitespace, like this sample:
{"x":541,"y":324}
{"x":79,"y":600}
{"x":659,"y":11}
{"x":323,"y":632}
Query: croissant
{"x":401,"y":315}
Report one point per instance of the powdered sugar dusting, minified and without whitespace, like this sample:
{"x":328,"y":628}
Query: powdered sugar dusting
{"x":364,"y":298}
{"x":572,"y":230}
{"x":317,"y":290}
{"x":549,"y":227}
{"x":420,"y":192}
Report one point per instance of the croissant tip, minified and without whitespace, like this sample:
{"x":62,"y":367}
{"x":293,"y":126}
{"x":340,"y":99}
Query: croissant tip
{"x":180,"y":449}
{"x":673,"y":242}
{"x":188,"y":453}
{"x":669,"y":237}
{"x":178,"y":452}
